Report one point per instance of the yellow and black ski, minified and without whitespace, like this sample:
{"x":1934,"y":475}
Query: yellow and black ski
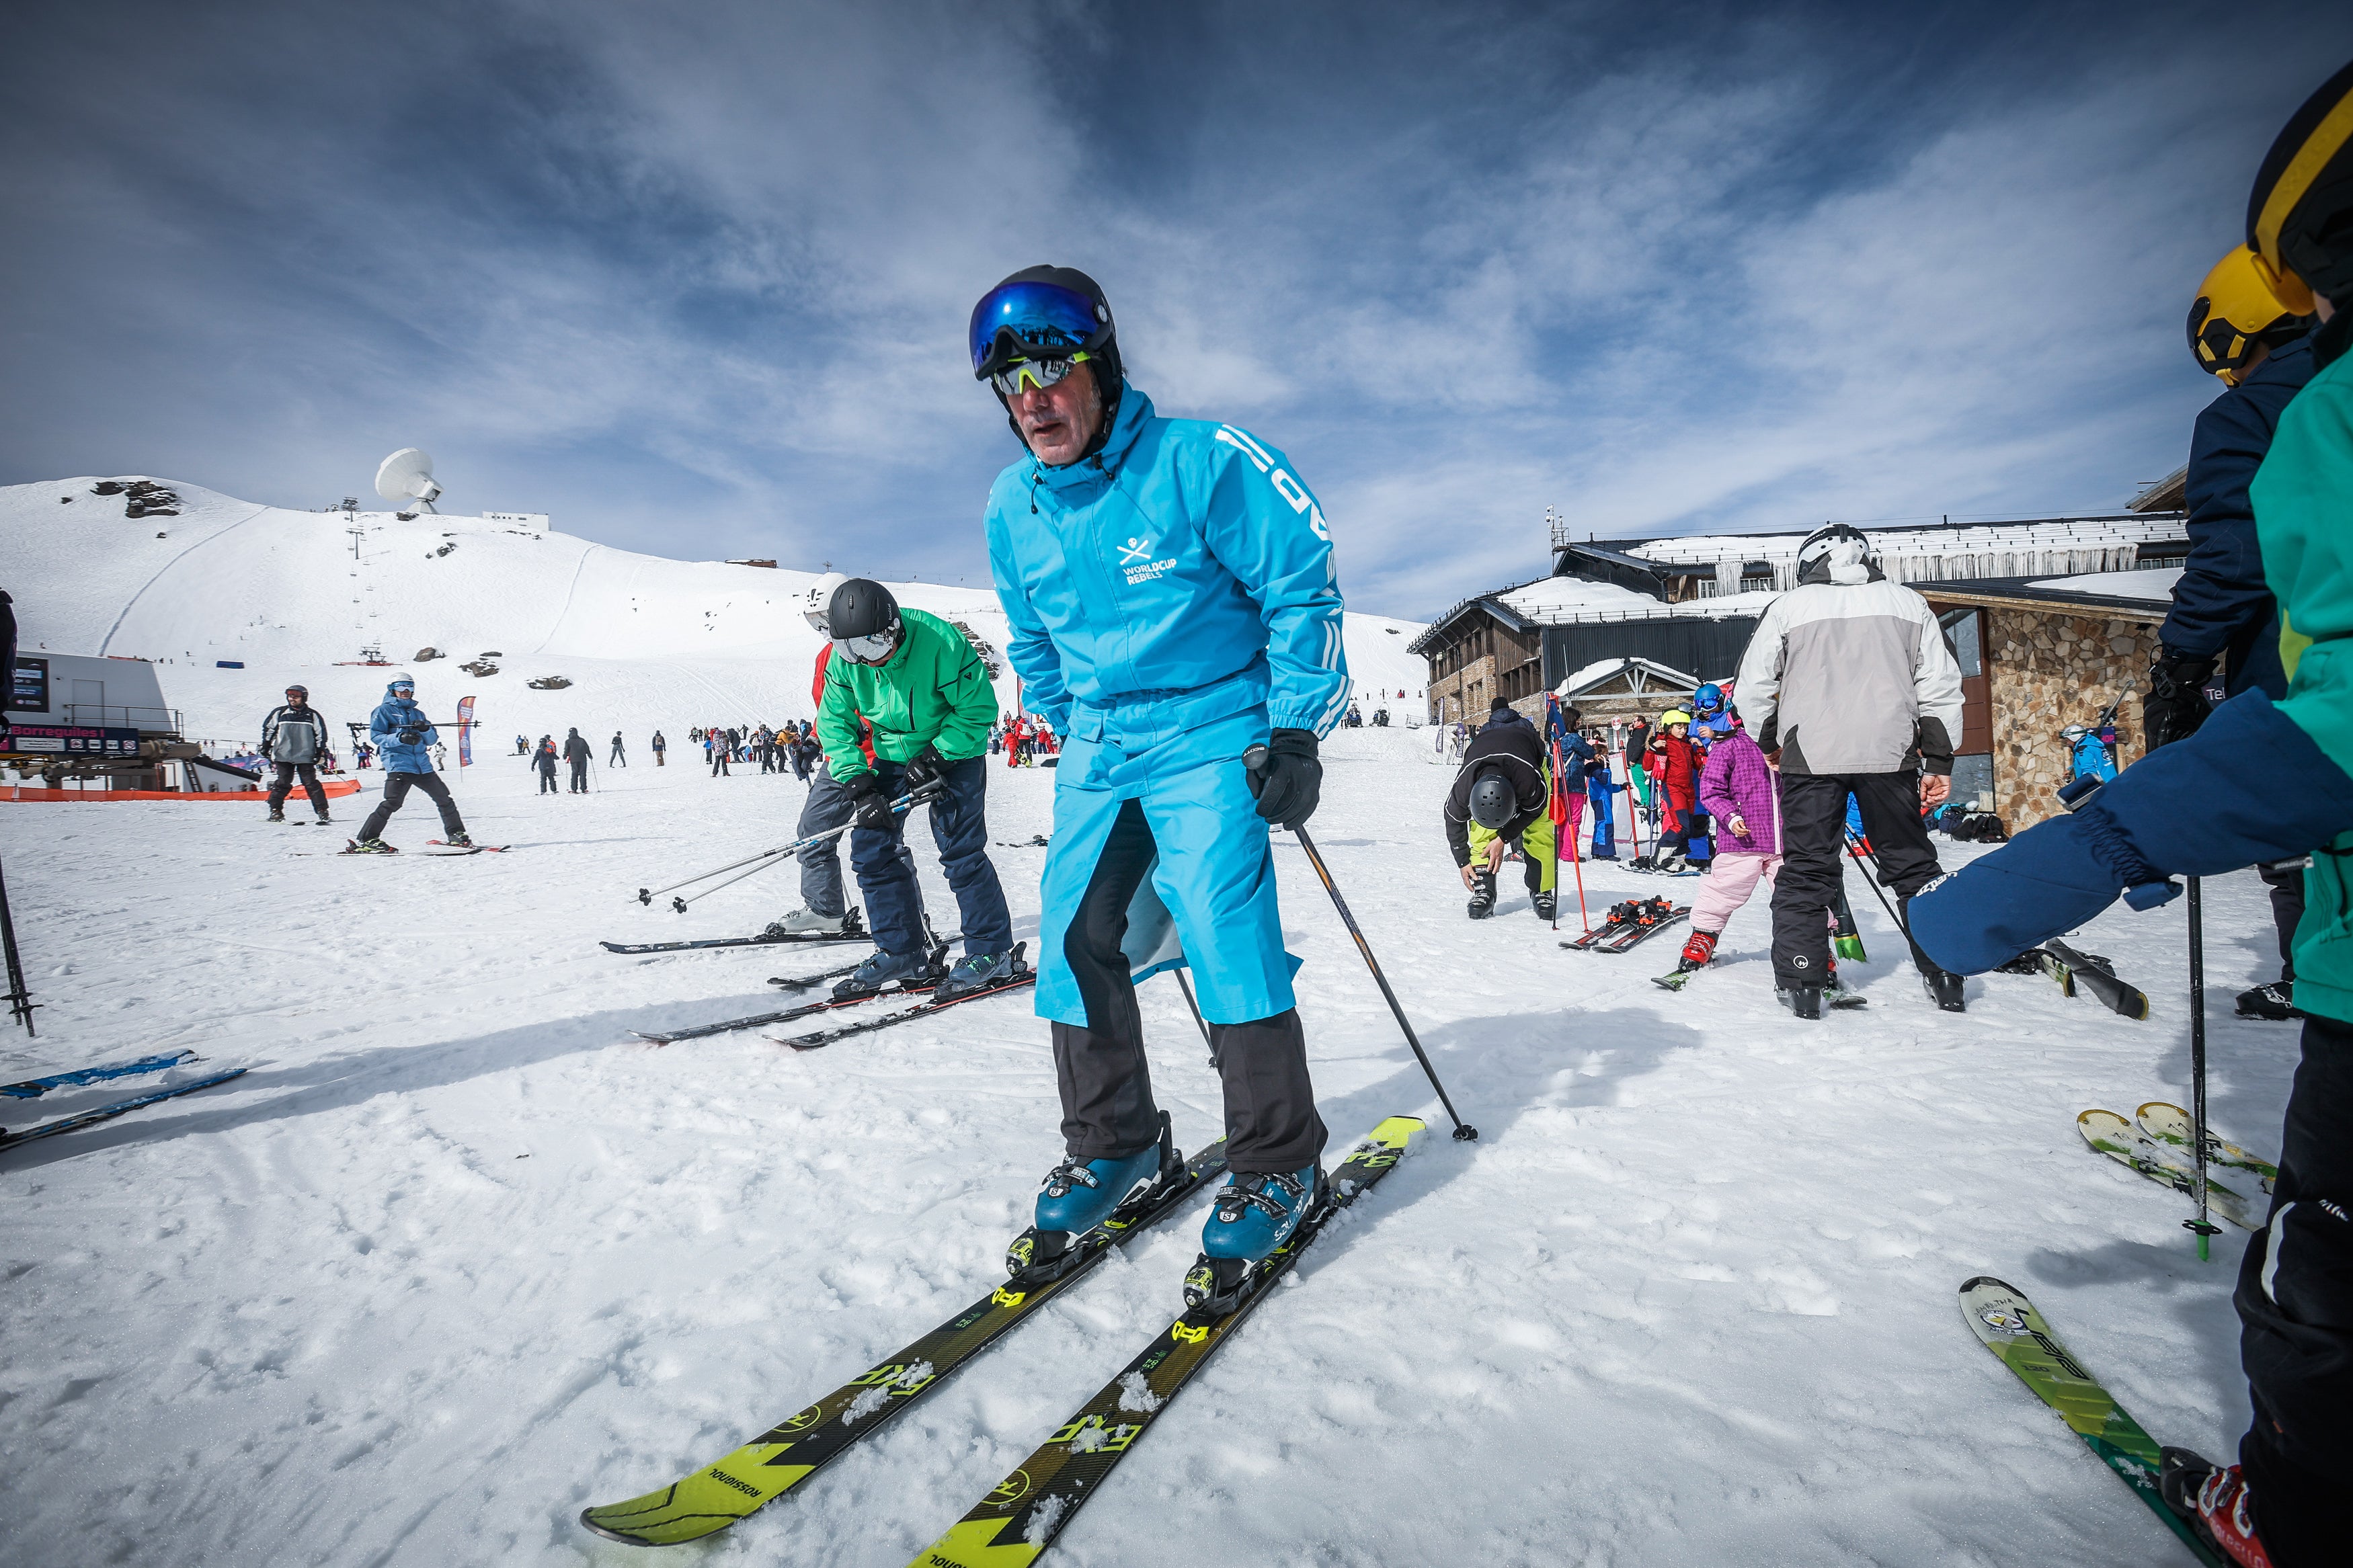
{"x":788,"y":1453}
{"x":1013,"y":1525}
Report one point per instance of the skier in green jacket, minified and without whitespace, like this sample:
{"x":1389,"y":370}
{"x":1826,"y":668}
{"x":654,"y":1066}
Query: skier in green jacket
{"x":917,"y":681}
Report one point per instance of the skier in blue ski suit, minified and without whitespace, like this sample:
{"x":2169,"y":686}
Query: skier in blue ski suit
{"x":1173,"y":599}
{"x":404,"y":740}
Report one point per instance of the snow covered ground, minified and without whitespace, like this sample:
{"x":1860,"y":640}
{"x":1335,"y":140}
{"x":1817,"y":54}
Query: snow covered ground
{"x":459,"y":1255}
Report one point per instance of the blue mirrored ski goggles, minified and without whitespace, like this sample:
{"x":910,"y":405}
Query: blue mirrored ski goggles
{"x":1032,"y":321}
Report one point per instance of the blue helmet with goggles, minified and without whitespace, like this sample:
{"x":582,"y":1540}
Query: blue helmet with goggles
{"x":1032,"y":328}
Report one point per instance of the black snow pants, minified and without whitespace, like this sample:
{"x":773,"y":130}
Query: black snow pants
{"x":1813,"y":836}
{"x":2287,"y":908}
{"x":284,"y":783}
{"x":396,"y":790}
{"x":2295,"y":1316}
{"x":1108,"y":1110}
{"x":579,"y":775}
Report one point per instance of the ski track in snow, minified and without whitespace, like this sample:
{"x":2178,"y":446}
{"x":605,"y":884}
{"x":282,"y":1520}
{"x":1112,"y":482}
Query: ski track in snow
{"x":458,"y":1256}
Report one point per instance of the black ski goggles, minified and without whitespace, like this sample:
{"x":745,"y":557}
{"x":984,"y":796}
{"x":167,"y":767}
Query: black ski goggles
{"x":1034,"y":320}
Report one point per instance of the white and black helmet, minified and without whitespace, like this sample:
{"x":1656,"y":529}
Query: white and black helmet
{"x":819,"y":600}
{"x":1835,"y":552}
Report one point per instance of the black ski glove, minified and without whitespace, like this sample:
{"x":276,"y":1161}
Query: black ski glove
{"x":1292,"y":784}
{"x":409,"y":737}
{"x":2176,"y":704}
{"x":927,"y":772}
{"x":872,"y":808}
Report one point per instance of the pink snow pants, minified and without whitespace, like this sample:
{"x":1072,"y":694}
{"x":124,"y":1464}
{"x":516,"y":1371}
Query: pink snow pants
{"x":1727,"y":886}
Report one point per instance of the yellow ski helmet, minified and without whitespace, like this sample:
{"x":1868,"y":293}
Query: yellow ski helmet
{"x":2300,"y":213}
{"x":2235,"y":314}
{"x":1674,"y":716}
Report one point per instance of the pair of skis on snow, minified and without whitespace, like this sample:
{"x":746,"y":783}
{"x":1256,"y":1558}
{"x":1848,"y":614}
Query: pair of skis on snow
{"x":34,"y":1087}
{"x":1016,"y":1522}
{"x":935,"y":971}
{"x":1630,"y":924}
{"x":2159,"y":1143}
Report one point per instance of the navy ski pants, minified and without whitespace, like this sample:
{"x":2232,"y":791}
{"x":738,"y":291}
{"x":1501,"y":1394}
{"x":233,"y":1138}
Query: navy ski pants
{"x":886,"y":873}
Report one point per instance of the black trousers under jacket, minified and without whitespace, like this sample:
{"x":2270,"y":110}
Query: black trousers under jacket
{"x":1108,"y":1110}
{"x":1813,"y":839}
{"x":396,"y":790}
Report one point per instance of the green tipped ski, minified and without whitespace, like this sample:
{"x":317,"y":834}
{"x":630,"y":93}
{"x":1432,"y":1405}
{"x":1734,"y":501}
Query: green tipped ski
{"x":788,"y":1453}
{"x":1014,"y":1525}
{"x":2168,"y":1124}
{"x":2122,"y":1142}
{"x":2005,"y":1323}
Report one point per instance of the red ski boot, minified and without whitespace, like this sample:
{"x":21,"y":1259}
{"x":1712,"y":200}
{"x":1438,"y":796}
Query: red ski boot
{"x":1699,"y":951}
{"x":2214,"y":1499}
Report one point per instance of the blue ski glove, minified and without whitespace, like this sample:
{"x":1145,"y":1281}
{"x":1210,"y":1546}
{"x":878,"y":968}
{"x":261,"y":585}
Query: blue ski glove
{"x":2250,"y":786}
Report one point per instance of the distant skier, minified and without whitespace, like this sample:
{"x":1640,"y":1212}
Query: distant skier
{"x":575,"y":751}
{"x":616,"y":760}
{"x":1849,"y":678}
{"x":1711,"y":717}
{"x":660,"y":746}
{"x":402,"y":735}
{"x":1742,"y":793}
{"x":294,"y":740}
{"x":1173,"y":602}
{"x":1500,"y":799}
{"x":717,"y":747}
{"x":546,"y":759}
{"x":1571,"y":758}
{"x":1674,"y":764}
{"x":523,"y":745}
{"x":914,"y":681}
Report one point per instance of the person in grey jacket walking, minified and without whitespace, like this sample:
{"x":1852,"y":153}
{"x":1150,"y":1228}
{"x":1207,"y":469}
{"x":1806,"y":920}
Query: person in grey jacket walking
{"x":294,"y":739}
{"x":1849,"y":680}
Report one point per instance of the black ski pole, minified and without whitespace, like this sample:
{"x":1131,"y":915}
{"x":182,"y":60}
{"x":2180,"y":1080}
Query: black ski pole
{"x":20,"y":997}
{"x":1195,"y":1008}
{"x":1870,"y":877}
{"x":1255,"y":759}
{"x":2201,"y":1226}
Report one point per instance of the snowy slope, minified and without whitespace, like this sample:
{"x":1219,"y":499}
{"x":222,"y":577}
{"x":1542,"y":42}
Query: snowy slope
{"x":459,"y":1255}
{"x":646,"y":641}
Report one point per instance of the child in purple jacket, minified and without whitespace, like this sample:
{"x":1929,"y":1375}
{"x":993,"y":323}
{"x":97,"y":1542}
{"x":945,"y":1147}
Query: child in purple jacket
{"x":1741,"y":790}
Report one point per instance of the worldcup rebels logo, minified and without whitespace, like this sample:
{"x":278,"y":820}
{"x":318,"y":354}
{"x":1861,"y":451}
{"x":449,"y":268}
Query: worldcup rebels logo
{"x":1135,"y":559}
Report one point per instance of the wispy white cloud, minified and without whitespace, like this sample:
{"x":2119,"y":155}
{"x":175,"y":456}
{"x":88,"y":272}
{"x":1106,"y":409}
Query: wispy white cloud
{"x":696,"y":278}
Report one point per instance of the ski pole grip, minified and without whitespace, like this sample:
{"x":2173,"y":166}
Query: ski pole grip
{"x":1255,"y":759}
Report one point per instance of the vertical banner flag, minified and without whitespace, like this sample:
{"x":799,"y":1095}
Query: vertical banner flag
{"x":465,"y":731}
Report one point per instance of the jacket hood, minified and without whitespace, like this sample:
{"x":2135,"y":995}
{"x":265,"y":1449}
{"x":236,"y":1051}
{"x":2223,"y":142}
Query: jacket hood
{"x":1135,"y":412}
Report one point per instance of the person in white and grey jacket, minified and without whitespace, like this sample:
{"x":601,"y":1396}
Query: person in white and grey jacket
{"x":1850,"y":680}
{"x":294,"y":740}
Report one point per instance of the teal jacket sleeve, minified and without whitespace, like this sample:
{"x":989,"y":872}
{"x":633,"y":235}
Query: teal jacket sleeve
{"x":1265,"y":528}
{"x":1029,"y":649}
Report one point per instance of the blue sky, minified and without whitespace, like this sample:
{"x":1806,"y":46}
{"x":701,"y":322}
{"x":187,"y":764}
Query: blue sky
{"x":693,"y":277}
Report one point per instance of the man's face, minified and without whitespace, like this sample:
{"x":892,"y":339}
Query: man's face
{"x":1058,"y":422}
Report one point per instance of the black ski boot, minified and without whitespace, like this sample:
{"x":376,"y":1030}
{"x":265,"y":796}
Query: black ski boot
{"x":1483,"y":895}
{"x":1944,"y":986}
{"x":2275,"y":1000}
{"x":1547,"y":906}
{"x":1804,"y":1001}
{"x":277,"y":813}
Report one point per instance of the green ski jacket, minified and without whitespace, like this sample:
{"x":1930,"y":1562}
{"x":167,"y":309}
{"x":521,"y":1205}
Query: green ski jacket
{"x":933,"y":691}
{"x":2303,"y":499}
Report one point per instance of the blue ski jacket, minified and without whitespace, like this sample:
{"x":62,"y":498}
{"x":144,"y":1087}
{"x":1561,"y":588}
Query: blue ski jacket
{"x":2223,"y":607}
{"x":1179,"y":576}
{"x":393,"y":755}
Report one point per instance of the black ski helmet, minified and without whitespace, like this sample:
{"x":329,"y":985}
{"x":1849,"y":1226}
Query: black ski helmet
{"x":1492,"y":804}
{"x":1101,"y":347}
{"x":860,"y":607}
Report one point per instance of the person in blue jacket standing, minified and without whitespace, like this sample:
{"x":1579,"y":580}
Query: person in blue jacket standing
{"x":404,"y":738}
{"x":1173,"y":602}
{"x":2223,"y":607}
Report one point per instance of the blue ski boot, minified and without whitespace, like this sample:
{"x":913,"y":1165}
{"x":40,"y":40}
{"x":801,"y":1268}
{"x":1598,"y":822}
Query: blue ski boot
{"x":1255,"y":1214}
{"x":1081,"y":1195}
{"x":882,"y":971}
{"x":978,"y":972}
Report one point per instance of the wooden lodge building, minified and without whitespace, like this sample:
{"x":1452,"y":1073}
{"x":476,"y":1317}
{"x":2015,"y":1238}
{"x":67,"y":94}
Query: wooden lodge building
{"x":2050,"y":620}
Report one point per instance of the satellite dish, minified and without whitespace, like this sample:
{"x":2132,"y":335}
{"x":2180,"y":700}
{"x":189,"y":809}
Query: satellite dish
{"x":408,"y":476}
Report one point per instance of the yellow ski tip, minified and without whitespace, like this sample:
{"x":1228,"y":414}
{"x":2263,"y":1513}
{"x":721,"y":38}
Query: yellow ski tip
{"x":972,"y":1543}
